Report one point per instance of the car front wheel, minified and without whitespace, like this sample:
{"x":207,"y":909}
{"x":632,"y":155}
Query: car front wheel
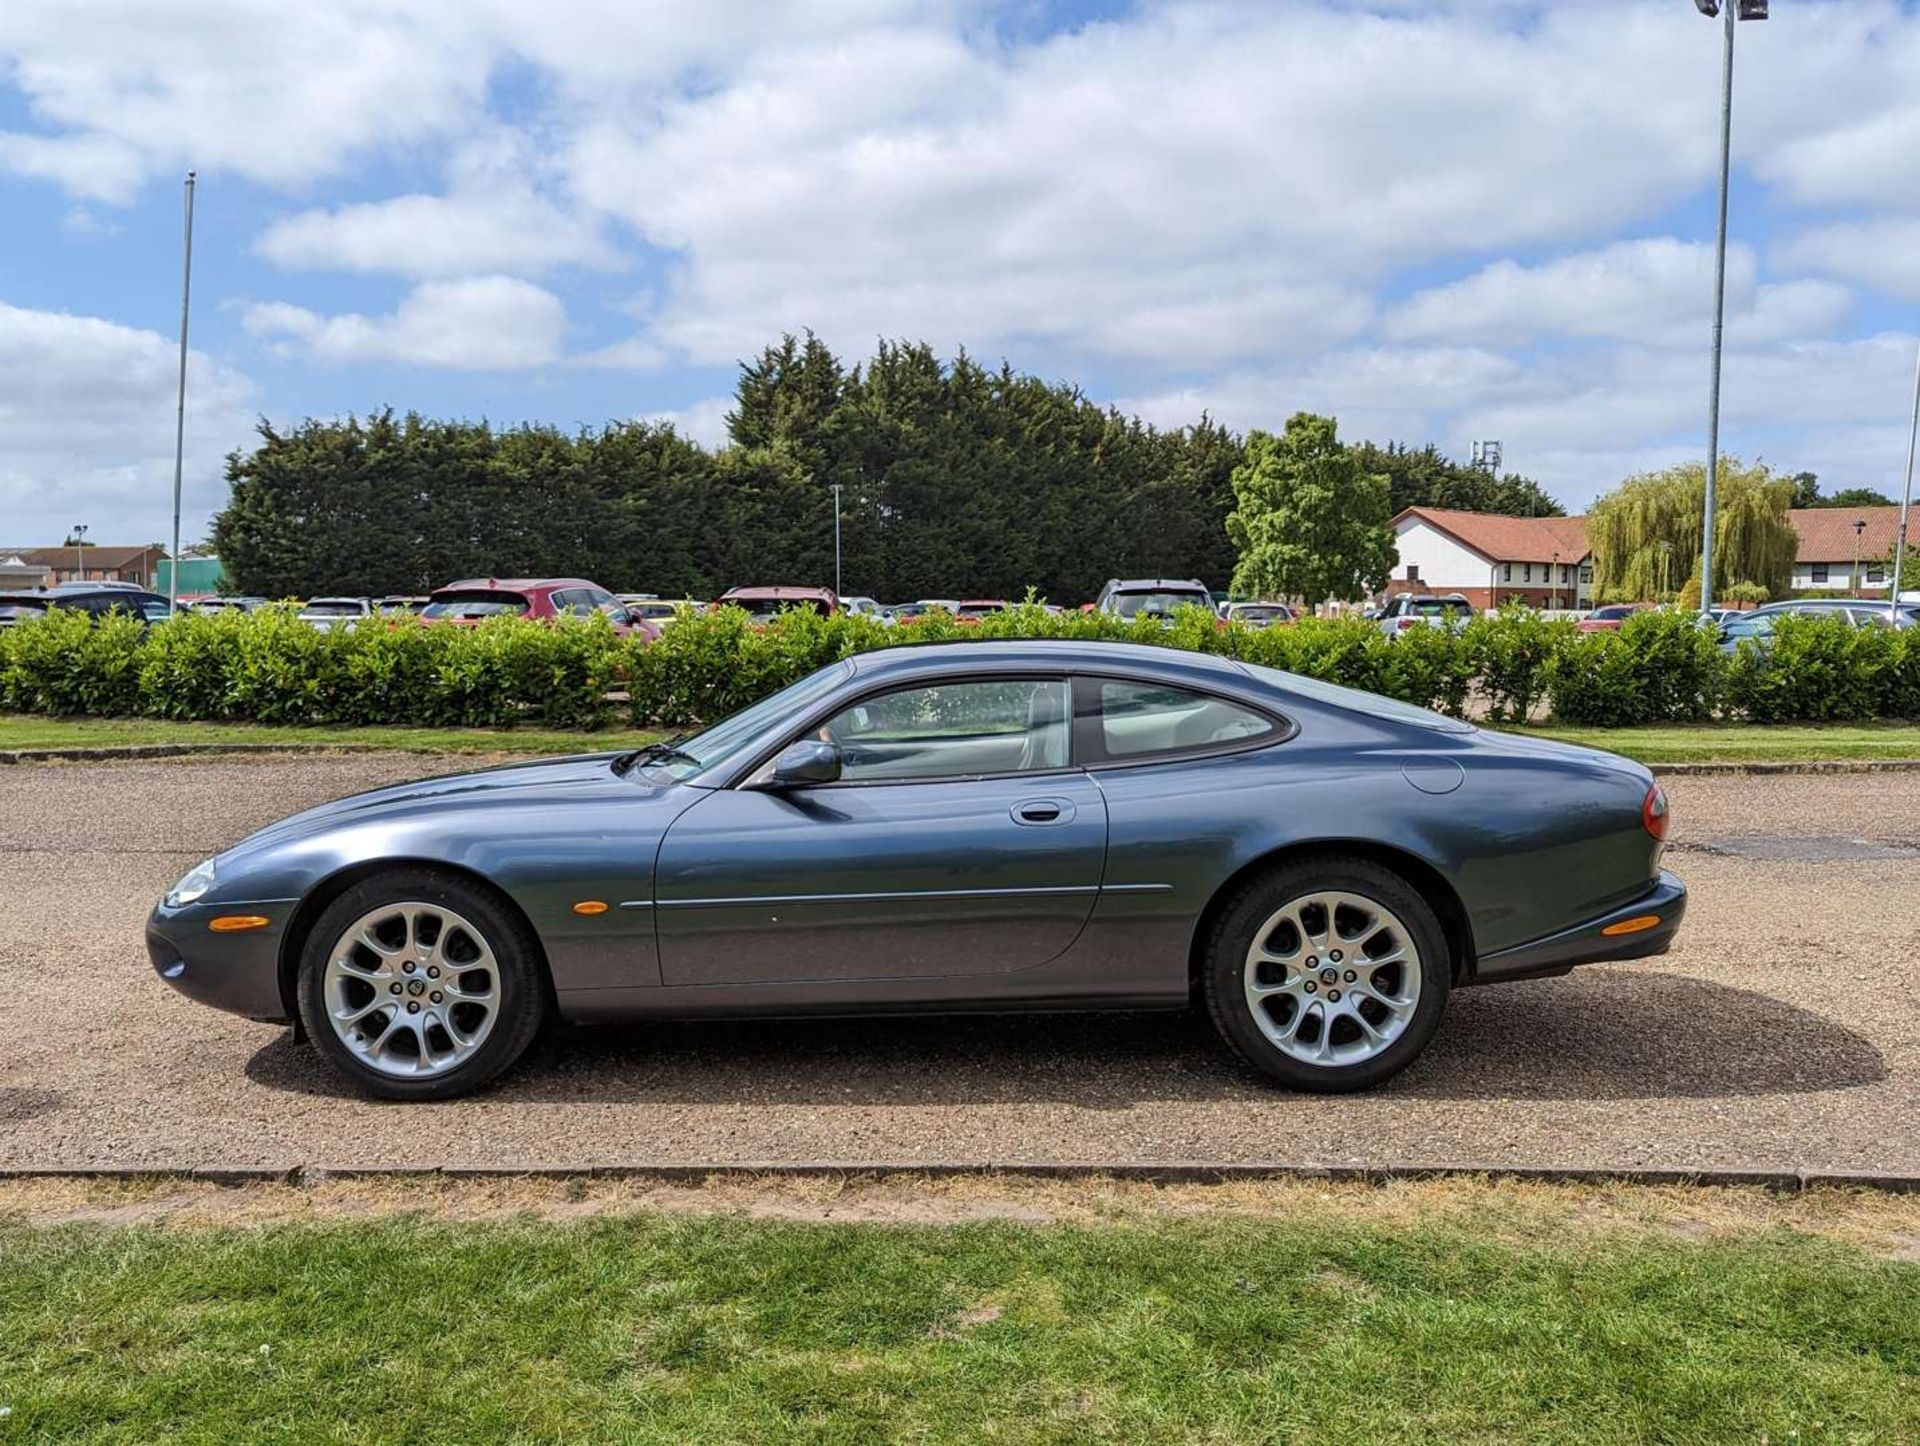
{"x":419,"y":985}
{"x":1328,"y":974}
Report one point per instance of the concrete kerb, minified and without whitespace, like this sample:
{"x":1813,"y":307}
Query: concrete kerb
{"x":1159,"y":1172}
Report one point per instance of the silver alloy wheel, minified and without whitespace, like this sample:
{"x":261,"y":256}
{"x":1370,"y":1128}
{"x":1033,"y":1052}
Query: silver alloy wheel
{"x":1332,"y":978}
{"x":412,"y":989}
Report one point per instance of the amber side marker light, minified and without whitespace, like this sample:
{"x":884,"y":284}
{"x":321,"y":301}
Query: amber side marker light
{"x":1637,"y":925}
{"x":238,"y":923}
{"x":590,"y":906}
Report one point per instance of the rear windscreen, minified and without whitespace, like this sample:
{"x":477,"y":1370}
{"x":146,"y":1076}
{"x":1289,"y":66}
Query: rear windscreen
{"x":475,"y":605}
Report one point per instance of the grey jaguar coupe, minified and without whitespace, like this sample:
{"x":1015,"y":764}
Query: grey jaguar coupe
{"x":974,"y":826}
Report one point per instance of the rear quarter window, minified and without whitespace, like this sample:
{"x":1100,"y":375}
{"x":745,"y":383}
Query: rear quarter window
{"x":1140,"y":720}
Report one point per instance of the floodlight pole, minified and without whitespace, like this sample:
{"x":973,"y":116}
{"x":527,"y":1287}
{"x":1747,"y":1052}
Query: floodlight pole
{"x":1906,"y":501}
{"x":1719,"y":311}
{"x":180,"y":409}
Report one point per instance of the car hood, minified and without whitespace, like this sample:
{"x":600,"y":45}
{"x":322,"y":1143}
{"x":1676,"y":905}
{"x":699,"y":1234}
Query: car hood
{"x":580,"y":777}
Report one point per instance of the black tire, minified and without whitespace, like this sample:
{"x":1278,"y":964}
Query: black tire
{"x":1232,"y":937}
{"x":521,"y":985}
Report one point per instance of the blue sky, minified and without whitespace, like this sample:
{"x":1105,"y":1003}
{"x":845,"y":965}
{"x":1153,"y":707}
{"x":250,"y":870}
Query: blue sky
{"x":1437,"y":221}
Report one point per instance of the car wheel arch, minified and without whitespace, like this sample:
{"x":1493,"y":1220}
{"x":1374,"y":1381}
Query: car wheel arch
{"x":314,"y":902}
{"x":1422,"y":876}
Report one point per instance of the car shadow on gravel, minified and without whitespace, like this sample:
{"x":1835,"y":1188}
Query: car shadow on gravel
{"x":1620,"y":1034}
{"x":1595,"y":1035}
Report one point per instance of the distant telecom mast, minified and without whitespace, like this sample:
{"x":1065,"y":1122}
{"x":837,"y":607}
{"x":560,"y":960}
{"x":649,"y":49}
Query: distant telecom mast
{"x":1486,"y":456}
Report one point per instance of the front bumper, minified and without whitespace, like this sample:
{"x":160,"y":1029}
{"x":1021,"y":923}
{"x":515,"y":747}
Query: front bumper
{"x":1588,"y":943}
{"x":239,"y":973}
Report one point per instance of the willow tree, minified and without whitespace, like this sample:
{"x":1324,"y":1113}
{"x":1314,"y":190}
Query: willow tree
{"x":1645,"y":534}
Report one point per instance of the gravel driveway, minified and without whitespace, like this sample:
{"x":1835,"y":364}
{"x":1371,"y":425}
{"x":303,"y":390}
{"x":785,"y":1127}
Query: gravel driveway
{"x":1781,"y":1033}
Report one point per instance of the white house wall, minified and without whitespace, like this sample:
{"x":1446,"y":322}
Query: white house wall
{"x":1445,"y":565}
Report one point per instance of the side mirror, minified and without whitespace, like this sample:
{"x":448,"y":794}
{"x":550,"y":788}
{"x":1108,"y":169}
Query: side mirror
{"x":802,"y":764}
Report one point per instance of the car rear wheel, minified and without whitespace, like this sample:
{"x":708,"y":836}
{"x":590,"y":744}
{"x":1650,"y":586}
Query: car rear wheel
{"x":1328,"y":974}
{"x":418,"y":985}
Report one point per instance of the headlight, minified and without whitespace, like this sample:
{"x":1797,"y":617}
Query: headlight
{"x":198,"y":880}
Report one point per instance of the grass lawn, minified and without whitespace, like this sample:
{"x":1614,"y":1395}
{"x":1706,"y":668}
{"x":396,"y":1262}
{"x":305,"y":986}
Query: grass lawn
{"x":1677,"y":743}
{"x":30,"y":731}
{"x":1310,"y":1324}
{"x":1747,"y":742}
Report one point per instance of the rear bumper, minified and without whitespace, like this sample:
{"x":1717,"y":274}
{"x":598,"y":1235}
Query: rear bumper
{"x":1588,"y":943}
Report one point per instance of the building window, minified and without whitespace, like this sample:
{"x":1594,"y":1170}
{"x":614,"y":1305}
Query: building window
{"x":1506,"y":572}
{"x":1819,"y":573}
{"x":1526,"y":572}
{"x":1566,"y":572}
{"x":1586,"y":572}
{"x":1876,"y":575}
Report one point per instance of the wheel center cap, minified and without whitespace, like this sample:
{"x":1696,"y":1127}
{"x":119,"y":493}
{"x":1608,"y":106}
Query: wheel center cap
{"x":1329,"y":976}
{"x":414,"y":986}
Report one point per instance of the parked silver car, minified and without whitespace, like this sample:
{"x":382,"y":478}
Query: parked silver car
{"x":327,"y":613}
{"x":1409,"y":610}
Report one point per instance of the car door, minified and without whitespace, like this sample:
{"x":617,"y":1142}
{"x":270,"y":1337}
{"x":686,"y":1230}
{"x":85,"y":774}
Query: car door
{"x":960,"y":840}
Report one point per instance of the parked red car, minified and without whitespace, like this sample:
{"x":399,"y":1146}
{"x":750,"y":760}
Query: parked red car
{"x":1609,"y":618}
{"x":541,"y":598}
{"x":764,"y":602}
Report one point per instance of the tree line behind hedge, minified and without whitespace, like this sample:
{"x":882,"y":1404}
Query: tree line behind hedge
{"x":269,"y":667}
{"x":956,"y":480}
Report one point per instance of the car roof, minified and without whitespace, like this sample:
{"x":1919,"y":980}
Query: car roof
{"x":513,"y":584}
{"x":1012,"y":654}
{"x":777,"y":592}
{"x":1128,"y":584}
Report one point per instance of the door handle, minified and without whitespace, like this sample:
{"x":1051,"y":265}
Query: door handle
{"x":1042,"y":811}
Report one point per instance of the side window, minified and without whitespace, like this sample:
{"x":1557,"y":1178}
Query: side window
{"x":1138,"y":720}
{"x":955,"y":730}
{"x":575,"y":600}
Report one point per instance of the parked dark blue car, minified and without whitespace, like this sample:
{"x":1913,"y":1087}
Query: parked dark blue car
{"x":973,"y":826}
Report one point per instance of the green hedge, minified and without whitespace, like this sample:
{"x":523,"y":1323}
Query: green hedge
{"x":269,"y":667}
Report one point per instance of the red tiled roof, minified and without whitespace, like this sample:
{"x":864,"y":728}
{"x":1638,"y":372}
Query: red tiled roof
{"x":1826,"y":533}
{"x":1506,"y":539}
{"x":105,"y":556}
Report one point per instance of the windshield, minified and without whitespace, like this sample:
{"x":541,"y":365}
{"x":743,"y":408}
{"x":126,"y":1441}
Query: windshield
{"x":713,"y":746}
{"x":1436,"y":607}
{"x":1259,"y":615}
{"x":1158,"y":603}
{"x":474,"y":605}
{"x":1616,"y":612}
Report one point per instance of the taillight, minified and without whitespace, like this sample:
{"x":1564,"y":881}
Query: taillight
{"x":1653,"y":813}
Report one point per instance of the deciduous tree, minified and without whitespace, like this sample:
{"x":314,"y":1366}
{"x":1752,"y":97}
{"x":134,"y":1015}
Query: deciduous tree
{"x":1309,"y":521}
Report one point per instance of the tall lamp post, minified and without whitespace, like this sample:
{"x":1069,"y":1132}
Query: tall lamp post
{"x":1859,"y":526}
{"x":1906,"y":501}
{"x":79,"y":552}
{"x":1744,"y":10}
{"x":180,"y":408}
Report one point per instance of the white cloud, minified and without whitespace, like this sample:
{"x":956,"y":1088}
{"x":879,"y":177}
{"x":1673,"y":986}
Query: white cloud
{"x":1658,"y":290}
{"x":1629,"y":290}
{"x":86,"y":429}
{"x":493,"y":218}
{"x":704,"y":421}
{"x":1581,"y":424}
{"x":1883,"y":253}
{"x":121,"y":90}
{"x":483,"y":323}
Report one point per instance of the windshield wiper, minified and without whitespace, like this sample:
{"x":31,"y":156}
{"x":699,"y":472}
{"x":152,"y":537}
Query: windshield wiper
{"x":666,"y":751}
